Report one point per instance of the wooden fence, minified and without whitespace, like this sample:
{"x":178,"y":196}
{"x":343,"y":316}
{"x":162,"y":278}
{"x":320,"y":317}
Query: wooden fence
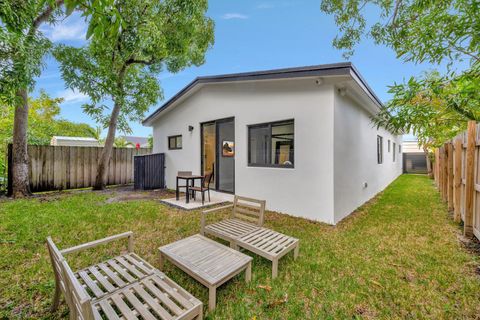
{"x":61,"y":167}
{"x":457,"y":177}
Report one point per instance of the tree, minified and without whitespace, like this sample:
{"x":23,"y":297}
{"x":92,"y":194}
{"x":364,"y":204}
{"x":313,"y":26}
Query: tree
{"x":435,"y":108}
{"x":418,"y":31}
{"x":150,"y":141}
{"x":44,"y":122}
{"x":129,"y":46}
{"x":97,"y":134}
{"x":22,"y":48}
{"x":121,"y":142}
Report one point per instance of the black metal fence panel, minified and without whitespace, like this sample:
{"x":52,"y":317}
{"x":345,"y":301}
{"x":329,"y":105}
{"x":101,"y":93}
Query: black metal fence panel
{"x":149,"y":171}
{"x":414,"y":163}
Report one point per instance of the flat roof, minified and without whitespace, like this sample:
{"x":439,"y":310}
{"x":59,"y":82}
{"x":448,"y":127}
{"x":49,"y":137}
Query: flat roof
{"x":333,"y":69}
{"x":75,"y":138}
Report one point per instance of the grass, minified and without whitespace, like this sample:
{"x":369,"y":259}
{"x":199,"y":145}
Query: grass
{"x":397,"y":257}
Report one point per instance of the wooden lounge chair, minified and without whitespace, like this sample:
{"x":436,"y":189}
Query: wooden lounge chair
{"x":124,"y":287}
{"x":250,"y":234}
{"x":247,"y":215}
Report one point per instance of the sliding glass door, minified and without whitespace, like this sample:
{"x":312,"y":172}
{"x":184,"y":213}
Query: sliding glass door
{"x":218,"y":153}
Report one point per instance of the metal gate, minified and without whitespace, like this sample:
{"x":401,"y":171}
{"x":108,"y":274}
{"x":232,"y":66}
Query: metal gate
{"x":149,"y":171}
{"x":414,"y":163}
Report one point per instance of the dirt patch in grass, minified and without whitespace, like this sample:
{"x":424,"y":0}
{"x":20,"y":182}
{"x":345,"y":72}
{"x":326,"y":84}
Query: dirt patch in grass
{"x":140,"y":195}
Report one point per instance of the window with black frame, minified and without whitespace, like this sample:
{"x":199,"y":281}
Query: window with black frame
{"x":379,"y":149}
{"x":175,"y":142}
{"x":271,"y":144}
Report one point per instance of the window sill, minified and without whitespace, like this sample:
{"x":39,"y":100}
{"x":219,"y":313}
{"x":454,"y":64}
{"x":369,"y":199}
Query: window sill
{"x":250,"y":165}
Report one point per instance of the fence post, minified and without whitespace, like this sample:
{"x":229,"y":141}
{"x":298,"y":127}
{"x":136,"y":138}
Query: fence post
{"x":440,"y":171}
{"x":457,"y":183}
{"x":469,"y":177}
{"x":445,"y":172}
{"x":450,"y":176}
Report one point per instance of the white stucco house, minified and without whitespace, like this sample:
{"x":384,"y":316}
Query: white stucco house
{"x":300,"y":138}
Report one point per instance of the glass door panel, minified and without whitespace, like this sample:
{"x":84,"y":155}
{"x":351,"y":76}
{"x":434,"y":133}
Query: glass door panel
{"x":209,"y":150}
{"x":226,"y":155}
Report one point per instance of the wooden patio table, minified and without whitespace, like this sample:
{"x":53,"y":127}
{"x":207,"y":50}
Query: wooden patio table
{"x":207,"y":261}
{"x":188,"y":179}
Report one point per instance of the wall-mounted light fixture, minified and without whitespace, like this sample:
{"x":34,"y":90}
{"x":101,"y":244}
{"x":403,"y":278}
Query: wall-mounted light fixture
{"x":190,"y":128}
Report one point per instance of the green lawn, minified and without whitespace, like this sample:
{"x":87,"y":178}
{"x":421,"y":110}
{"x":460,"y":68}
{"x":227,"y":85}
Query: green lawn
{"x":398,"y":257}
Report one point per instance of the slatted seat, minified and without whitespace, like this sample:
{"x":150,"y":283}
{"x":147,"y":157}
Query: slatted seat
{"x":269,"y":244}
{"x":124,"y":287}
{"x":230,"y":229}
{"x":246,"y":216}
{"x":154,"y":297}
{"x":108,"y":276}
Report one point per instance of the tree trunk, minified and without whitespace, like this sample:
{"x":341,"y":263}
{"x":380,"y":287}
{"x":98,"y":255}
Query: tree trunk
{"x":102,"y":168}
{"x":429,"y":163}
{"x":20,"y":181}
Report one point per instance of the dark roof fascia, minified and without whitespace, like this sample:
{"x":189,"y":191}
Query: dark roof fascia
{"x":344,"y":68}
{"x":365,"y":84}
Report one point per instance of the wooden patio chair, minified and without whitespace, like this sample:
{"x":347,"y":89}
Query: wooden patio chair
{"x":204,"y":187}
{"x":124,"y":287}
{"x":247,"y":215}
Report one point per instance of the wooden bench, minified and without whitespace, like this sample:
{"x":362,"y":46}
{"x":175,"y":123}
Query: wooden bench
{"x":124,"y":287}
{"x":269,"y":244}
{"x":247,"y":215}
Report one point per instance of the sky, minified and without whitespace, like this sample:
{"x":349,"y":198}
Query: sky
{"x":249,"y":36}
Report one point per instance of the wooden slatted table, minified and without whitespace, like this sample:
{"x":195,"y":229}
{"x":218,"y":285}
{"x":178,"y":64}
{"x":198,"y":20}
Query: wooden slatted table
{"x":269,"y":244}
{"x":209,"y":262}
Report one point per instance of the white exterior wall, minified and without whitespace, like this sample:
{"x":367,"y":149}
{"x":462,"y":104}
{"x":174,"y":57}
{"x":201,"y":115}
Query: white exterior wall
{"x":411,"y":147}
{"x":307,"y":189}
{"x":356,"y":157}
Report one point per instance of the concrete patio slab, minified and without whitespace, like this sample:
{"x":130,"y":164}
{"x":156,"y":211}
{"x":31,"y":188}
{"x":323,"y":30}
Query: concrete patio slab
{"x":216,"y":198}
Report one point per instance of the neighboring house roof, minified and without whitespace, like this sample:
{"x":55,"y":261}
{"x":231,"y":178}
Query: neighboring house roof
{"x":74,"y":141}
{"x":335,"y":69}
{"x":74,"y":138}
{"x":143,"y":141}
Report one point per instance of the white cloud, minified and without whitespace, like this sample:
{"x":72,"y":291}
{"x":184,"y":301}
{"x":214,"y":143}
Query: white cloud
{"x":73,"y":28}
{"x":229,"y":16}
{"x":70,"y":96}
{"x":265,"y":5}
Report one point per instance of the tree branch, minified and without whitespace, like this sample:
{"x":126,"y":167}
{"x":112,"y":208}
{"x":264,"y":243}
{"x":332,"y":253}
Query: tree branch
{"x":144,"y":62}
{"x":395,"y":12}
{"x":42,"y":17}
{"x":464,"y":52}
